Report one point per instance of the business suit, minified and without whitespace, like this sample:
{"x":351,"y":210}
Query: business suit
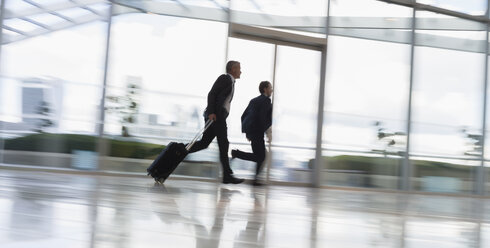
{"x":256,"y":119}
{"x":219,"y":93}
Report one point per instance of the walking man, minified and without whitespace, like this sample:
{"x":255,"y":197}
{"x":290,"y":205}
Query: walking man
{"x":256,"y":120}
{"x":218,"y":109}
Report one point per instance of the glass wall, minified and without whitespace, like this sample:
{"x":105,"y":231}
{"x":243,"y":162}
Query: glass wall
{"x":365,"y":112}
{"x":164,"y":56}
{"x":51,"y":80}
{"x":160,"y":71}
{"x":446,"y":116}
{"x":366,"y":101}
{"x":295,"y":113}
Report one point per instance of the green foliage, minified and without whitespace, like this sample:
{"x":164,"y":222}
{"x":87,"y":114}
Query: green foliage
{"x":125,"y":106}
{"x":46,"y":142}
{"x":44,"y":110}
{"x":432,"y":168}
{"x":132,"y":149}
{"x":369,"y":165}
{"x":391,"y":166}
{"x":66,"y":143}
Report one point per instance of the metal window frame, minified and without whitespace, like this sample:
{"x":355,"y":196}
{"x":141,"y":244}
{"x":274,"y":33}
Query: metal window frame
{"x":319,"y":162}
{"x":407,"y":169}
{"x":2,"y":15}
{"x":481,"y":174}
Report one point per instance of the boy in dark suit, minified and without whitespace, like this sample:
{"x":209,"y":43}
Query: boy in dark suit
{"x":256,"y":120}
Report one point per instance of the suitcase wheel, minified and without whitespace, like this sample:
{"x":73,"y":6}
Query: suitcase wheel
{"x":159,"y":180}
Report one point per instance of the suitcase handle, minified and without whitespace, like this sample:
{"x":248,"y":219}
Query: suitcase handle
{"x":208,"y":124}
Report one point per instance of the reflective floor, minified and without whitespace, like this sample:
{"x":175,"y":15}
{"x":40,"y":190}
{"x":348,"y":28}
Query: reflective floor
{"x":39,"y":209}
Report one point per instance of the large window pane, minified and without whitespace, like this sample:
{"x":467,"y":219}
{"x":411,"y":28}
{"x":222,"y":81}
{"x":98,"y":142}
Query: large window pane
{"x":366,"y":108}
{"x":446,"y":116}
{"x":370,"y":19}
{"x":160,"y":71}
{"x":292,"y":15}
{"x":368,"y":8}
{"x":52,"y":71}
{"x":447,"y":98}
{"x":295,"y":113}
{"x":447,"y":32}
{"x":364,"y":134}
{"x":472,"y":7}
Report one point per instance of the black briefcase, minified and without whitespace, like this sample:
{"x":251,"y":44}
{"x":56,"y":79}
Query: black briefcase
{"x":171,"y":157}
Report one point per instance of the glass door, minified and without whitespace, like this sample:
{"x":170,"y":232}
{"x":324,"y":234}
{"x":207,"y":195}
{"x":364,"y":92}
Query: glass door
{"x":295,"y":75}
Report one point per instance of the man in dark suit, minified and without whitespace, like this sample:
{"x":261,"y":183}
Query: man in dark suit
{"x":219,"y":100}
{"x":256,"y":120}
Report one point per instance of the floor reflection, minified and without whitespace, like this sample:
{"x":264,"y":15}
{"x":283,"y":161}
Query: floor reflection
{"x":62,"y":210}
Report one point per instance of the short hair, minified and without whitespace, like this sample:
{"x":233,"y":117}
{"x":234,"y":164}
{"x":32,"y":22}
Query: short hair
{"x":263,"y":85}
{"x":230,"y":65}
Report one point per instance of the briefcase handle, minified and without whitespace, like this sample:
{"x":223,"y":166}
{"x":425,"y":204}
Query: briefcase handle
{"x":208,"y":124}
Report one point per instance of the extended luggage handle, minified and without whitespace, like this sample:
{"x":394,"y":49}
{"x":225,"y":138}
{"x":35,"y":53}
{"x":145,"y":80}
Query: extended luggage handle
{"x":208,"y":124}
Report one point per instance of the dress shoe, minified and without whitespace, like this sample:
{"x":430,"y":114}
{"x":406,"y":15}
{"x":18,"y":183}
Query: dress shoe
{"x":232,"y":179}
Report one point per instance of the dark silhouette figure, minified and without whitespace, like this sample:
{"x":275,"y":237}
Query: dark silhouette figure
{"x":256,"y":120}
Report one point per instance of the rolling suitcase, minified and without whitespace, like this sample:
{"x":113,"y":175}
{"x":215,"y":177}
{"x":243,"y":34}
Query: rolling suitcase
{"x":171,"y":156}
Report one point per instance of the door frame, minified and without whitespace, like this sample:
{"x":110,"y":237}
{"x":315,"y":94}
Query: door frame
{"x":278,"y":37}
{"x":274,"y":36}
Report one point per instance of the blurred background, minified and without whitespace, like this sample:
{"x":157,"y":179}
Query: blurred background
{"x":387,"y":94}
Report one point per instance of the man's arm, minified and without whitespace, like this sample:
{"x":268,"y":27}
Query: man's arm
{"x":245,"y":119}
{"x":269,"y":122}
{"x":217,"y":88}
{"x":264,"y":114}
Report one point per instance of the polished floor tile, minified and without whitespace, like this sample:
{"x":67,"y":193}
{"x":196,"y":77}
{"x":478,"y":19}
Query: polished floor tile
{"x":63,"y":210}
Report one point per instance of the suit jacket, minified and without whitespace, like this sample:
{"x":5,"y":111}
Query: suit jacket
{"x":257,"y":117}
{"x":217,"y":95}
